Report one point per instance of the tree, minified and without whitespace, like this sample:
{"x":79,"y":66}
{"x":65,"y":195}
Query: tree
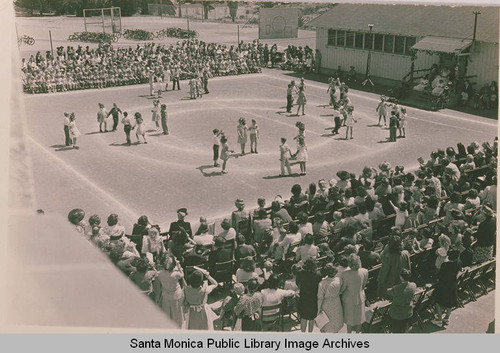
{"x":233,"y":8}
{"x":207,"y":7}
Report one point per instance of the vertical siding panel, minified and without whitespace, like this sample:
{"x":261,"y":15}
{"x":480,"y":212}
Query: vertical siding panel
{"x":483,"y":63}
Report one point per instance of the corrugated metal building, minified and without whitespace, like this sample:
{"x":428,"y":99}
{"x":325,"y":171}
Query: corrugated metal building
{"x":431,"y":34}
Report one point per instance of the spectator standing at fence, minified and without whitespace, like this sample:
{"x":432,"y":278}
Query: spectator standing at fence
{"x":114,"y":112}
{"x":67,"y":138}
{"x":102,"y":114}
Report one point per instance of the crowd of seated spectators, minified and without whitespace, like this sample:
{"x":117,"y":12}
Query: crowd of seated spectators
{"x":106,"y":66}
{"x":316,"y":252}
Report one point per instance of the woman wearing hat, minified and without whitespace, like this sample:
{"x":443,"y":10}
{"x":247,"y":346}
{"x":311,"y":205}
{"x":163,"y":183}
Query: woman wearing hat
{"x":199,"y":316}
{"x":486,"y":236}
{"x":167,"y":289}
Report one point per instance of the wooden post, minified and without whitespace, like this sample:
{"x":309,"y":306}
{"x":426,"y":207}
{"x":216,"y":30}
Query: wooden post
{"x":188,"y":23}
{"x":17,"y":37}
{"x":102,"y":17}
{"x":238,"y":37}
{"x":85,"y":20}
{"x":51,"y":47}
{"x":120,"y":14}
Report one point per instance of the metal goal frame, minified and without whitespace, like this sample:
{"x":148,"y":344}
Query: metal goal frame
{"x":102,"y":22}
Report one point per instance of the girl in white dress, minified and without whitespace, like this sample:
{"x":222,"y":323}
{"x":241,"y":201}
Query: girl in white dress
{"x":73,"y":130}
{"x":349,"y":122}
{"x":301,"y":155}
{"x":156,"y":114}
{"x":141,"y":128}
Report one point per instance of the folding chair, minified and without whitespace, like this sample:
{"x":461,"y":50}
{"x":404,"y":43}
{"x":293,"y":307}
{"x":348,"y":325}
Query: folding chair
{"x":469,"y":285}
{"x":289,"y":307}
{"x":487,"y":278}
{"x":379,"y":317}
{"x":271,"y":316}
{"x":223,"y":272}
{"x":461,"y":284}
{"x":424,"y":307}
{"x":190,"y":269}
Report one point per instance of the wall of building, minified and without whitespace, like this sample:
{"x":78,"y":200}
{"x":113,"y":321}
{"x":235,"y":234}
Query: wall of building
{"x":483,"y":62}
{"x":384,"y":65}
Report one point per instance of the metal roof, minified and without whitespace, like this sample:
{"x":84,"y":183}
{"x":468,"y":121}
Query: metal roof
{"x":411,"y":20}
{"x":442,"y":44}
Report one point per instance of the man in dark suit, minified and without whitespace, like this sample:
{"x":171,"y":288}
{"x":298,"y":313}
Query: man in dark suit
{"x":114,"y":112}
{"x":181,"y":224}
{"x":67,"y":141}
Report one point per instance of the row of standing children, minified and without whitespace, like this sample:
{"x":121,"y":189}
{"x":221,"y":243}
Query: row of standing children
{"x":397,"y":120}
{"x":342,"y":106}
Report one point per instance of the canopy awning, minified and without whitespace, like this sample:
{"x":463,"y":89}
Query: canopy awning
{"x":442,"y":45}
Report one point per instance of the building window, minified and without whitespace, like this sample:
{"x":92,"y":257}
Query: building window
{"x":399,"y":45}
{"x":388,"y":44}
{"x":410,"y":42}
{"x":378,"y":43}
{"x":368,"y":41}
{"x":331,"y":36}
{"x":358,"y":40}
{"x":340,"y":38}
{"x":349,"y":39}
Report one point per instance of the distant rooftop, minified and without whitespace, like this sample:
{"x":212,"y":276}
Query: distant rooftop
{"x":411,"y":20}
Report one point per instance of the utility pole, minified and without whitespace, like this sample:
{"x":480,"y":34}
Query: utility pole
{"x":369,"y":59}
{"x":475,"y":24}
